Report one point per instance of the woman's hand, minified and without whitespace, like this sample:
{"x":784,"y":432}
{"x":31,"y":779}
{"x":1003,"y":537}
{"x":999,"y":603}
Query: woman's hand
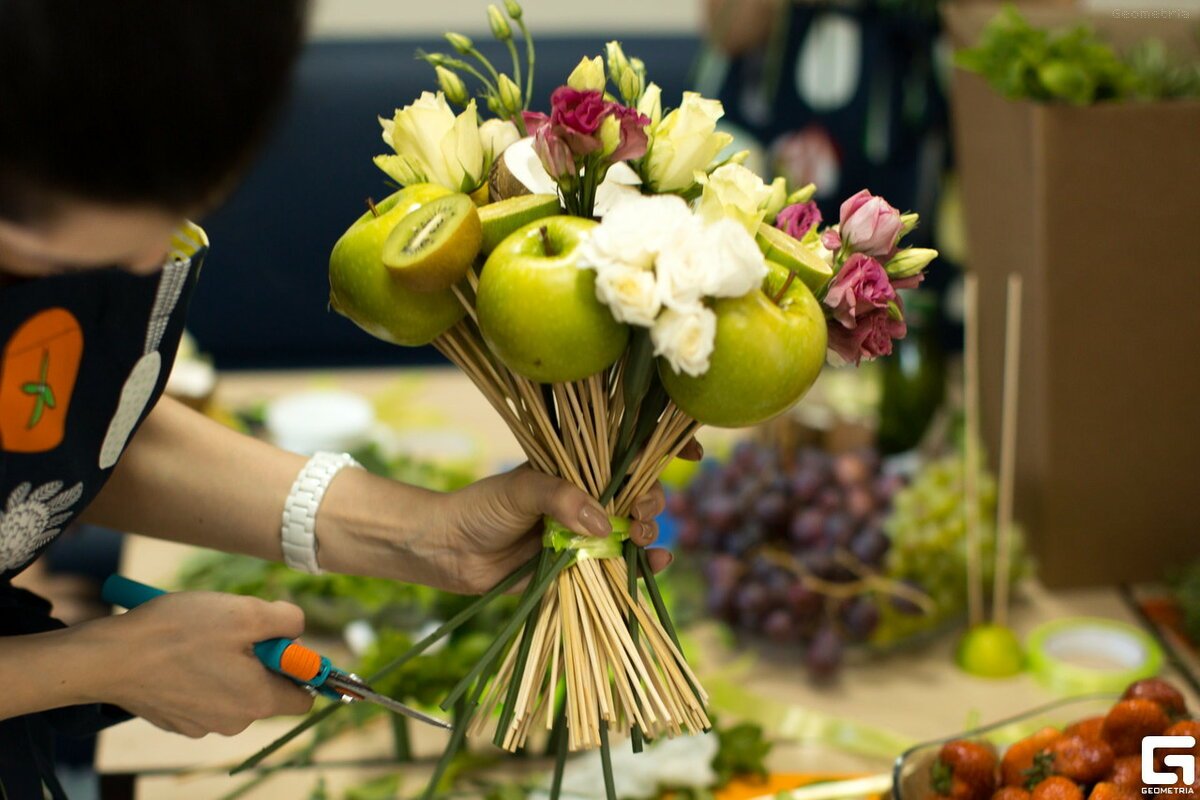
{"x":184,"y":662}
{"x":492,"y":527}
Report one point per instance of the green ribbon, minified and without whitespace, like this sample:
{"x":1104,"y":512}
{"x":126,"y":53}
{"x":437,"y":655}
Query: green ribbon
{"x":559,"y":537}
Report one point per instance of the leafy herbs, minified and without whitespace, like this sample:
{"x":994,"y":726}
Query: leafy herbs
{"x":1075,"y":66}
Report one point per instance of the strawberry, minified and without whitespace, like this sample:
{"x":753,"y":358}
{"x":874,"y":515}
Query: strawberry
{"x":964,"y":766}
{"x":1087,"y":728}
{"x":1131,"y":720}
{"x":1018,"y":759}
{"x":1082,"y":760}
{"x":1127,"y":773}
{"x":1111,"y":791}
{"x":1012,"y":793}
{"x":1158,"y":691}
{"x":1057,"y":787}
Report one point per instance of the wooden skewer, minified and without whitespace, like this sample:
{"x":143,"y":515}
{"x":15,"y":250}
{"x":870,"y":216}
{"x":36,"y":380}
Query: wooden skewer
{"x":1008,"y":450}
{"x":971,"y":446}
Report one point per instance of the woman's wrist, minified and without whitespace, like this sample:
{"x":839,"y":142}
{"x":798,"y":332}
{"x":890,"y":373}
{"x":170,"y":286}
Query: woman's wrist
{"x":54,"y":669}
{"x":369,"y":525}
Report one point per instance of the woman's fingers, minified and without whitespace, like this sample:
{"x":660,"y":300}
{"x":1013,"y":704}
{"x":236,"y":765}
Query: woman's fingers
{"x":643,"y":532}
{"x":659,"y":559}
{"x":651,"y":504}
{"x":692,"y":451}
{"x":568,"y":504}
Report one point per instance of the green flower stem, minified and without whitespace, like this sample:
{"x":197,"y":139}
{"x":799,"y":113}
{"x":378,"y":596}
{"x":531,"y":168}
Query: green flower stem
{"x":652,"y":406}
{"x":631,"y":576}
{"x":463,"y":714}
{"x":531,"y":597}
{"x":444,"y":629}
{"x":489,"y":86}
{"x":401,"y":739}
{"x":529,"y":61}
{"x":514,"y":686}
{"x":516,"y":62}
{"x":660,"y":608}
{"x":560,"y":750}
{"x":639,"y":364}
{"x":610,"y":789}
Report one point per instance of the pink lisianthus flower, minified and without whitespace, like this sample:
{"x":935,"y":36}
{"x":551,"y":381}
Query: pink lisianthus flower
{"x":832,"y":239}
{"x":869,"y":225}
{"x":870,"y":338}
{"x":555,"y":155}
{"x":576,"y":117}
{"x":798,"y":219}
{"x":911,"y":282}
{"x":633,"y":140}
{"x":860,"y":287}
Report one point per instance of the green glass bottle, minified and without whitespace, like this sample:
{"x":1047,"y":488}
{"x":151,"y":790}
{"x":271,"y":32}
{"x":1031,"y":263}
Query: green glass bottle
{"x":914,"y":377}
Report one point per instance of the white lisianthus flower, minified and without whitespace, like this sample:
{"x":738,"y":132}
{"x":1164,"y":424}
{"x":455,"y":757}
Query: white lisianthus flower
{"x":739,"y":266}
{"x":734,"y":192}
{"x":432,"y":144}
{"x":651,"y":103}
{"x":496,"y":135}
{"x":631,"y":294}
{"x":588,"y":75}
{"x":685,"y":338}
{"x":635,"y":232}
{"x":683,"y":142}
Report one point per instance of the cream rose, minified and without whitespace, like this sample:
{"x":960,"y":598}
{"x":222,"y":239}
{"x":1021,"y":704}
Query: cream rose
{"x":685,"y":338}
{"x":631,"y":294}
{"x":434,"y":145}
{"x":738,"y":264}
{"x":734,"y":192}
{"x":634,"y":232}
{"x":684,"y":142}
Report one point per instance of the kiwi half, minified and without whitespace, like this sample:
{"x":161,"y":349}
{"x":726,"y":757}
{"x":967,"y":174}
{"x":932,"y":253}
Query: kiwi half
{"x":432,"y":248}
{"x":501,"y":218}
{"x":789,"y":253}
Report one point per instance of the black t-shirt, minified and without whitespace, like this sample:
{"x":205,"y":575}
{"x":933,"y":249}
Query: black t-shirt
{"x":85,"y":356}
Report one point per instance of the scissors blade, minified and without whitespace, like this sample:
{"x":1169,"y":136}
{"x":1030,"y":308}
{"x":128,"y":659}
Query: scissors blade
{"x":351,"y":686}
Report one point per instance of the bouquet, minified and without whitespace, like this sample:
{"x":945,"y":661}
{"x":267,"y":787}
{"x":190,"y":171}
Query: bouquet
{"x":610,"y":283}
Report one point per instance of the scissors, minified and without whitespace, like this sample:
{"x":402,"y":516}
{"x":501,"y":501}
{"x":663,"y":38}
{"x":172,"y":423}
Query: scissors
{"x":286,"y":657}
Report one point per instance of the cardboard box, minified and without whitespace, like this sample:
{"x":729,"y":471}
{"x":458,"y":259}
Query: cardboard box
{"x":1099,"y":209}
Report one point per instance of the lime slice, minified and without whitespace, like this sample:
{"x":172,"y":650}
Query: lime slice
{"x":809,"y":267}
{"x":991,"y":651}
{"x":504,"y":216}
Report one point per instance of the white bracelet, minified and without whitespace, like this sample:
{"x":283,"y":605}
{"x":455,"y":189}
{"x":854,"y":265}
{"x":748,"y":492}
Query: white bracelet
{"x":299,"y":532}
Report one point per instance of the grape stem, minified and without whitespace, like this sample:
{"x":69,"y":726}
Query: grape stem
{"x":867,"y":580}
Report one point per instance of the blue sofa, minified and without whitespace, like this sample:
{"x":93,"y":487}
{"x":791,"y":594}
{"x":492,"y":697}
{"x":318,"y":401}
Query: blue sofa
{"x":262,"y":301}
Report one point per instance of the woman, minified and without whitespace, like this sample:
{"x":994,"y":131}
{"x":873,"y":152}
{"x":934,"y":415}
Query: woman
{"x":118,"y":122}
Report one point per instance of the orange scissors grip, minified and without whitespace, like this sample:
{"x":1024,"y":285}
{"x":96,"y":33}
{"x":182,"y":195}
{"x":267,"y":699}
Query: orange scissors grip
{"x":299,"y":662}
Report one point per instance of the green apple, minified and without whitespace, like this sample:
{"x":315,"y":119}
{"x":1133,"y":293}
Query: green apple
{"x":368,"y":293}
{"x":765,"y":357}
{"x":538,"y":311}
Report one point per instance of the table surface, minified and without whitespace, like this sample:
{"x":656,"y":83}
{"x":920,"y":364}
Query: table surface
{"x":917,"y":695}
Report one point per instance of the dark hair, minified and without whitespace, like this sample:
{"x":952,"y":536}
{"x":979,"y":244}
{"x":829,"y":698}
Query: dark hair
{"x":161,"y":102}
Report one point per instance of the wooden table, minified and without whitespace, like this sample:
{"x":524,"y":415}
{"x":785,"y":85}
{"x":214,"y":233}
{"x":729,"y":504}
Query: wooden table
{"x":918,"y":695}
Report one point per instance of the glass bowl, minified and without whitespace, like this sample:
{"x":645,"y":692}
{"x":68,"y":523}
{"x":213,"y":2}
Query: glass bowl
{"x":911,"y":774}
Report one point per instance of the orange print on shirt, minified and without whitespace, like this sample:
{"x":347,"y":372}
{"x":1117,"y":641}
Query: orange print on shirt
{"x":41,"y":362}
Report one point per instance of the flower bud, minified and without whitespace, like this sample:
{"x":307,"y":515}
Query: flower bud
{"x":639,"y":66}
{"x":461,"y":44}
{"x":452,"y":85}
{"x":610,"y":135}
{"x":740,"y":157}
{"x":510,"y":96}
{"x":617,"y":62}
{"x":908,"y":222}
{"x":802,"y":195}
{"x":777,"y":199}
{"x":500,"y":27}
{"x":893,"y":311}
{"x":513,"y":8}
{"x":434,"y":59}
{"x":909,"y":262}
{"x":629,"y":84}
{"x":588,"y":75}
{"x":494,"y":106}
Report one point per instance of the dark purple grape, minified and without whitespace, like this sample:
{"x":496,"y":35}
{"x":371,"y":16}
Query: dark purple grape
{"x":860,"y":503}
{"x":778,"y":626}
{"x":751,"y":598}
{"x":851,"y":469}
{"x":839,"y":529}
{"x":824,"y":653}
{"x":719,"y":602}
{"x":820,"y":562}
{"x":723,"y":570}
{"x":808,"y":528}
{"x":804,"y":485}
{"x":869,"y":546}
{"x":906,"y":606}
{"x":719,"y":512}
{"x":803,"y":602}
{"x":886,"y":487}
{"x":830,"y":499}
{"x":743,"y":539}
{"x":771,"y":509}
{"x":679,"y":505}
{"x":689,"y":534}
{"x":779,"y":582}
{"x":860,"y":616}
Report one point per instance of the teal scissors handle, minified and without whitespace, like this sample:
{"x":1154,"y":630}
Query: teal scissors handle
{"x":282,"y":655}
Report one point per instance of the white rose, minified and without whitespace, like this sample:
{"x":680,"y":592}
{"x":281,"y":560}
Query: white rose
{"x":496,"y":135}
{"x":432,"y":144}
{"x":686,"y":267}
{"x":635,"y":231}
{"x":631,"y":294}
{"x":738,"y":264}
{"x":737,"y":193}
{"x":684,"y":142}
{"x":685,"y":339}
